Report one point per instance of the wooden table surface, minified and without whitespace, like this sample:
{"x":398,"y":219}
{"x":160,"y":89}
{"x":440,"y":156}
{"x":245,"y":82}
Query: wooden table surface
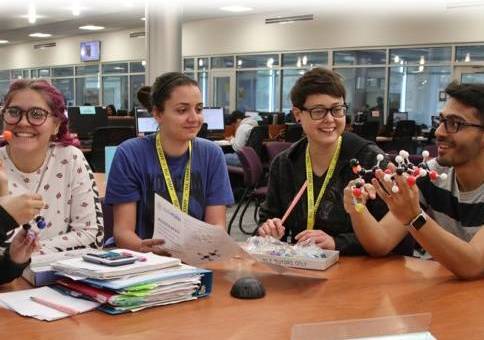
{"x":355,"y":288}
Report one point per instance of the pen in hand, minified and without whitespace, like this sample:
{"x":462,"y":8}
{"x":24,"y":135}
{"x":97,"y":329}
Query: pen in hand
{"x":294,"y":202}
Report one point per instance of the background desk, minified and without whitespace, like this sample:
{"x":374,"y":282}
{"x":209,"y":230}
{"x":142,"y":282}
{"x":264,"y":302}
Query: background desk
{"x":383,"y":139}
{"x":356,"y":288}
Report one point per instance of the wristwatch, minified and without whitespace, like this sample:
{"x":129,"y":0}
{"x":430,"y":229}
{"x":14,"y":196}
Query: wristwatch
{"x":419,"y":221}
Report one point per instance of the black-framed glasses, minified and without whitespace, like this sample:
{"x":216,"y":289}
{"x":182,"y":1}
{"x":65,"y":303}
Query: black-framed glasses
{"x":35,"y":116}
{"x":453,"y":125}
{"x":320,"y":112}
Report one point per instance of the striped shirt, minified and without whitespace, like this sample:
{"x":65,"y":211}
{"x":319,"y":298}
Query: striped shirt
{"x":460,"y":213}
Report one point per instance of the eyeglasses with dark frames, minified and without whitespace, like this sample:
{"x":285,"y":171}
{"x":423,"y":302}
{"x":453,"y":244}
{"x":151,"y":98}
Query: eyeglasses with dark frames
{"x":453,"y":125}
{"x":320,"y":112}
{"x":35,"y":116}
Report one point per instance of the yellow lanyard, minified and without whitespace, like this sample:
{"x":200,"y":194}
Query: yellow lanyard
{"x":312,"y":208}
{"x":167,"y":176}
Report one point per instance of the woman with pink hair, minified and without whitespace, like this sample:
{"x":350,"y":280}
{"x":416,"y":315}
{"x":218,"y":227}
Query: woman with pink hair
{"x":41,"y":158}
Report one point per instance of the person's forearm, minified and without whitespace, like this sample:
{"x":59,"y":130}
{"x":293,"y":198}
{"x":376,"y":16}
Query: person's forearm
{"x":10,"y":270}
{"x":459,"y":256}
{"x":370,"y":233}
{"x":216,"y":215}
{"x":128,"y":240}
{"x":8,"y":223}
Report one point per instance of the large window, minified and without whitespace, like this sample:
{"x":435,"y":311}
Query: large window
{"x":258,"y":90}
{"x":202,"y":64}
{"x":16,"y":74}
{"x":469,"y":54}
{"x":472,"y":78}
{"x":115,"y":68}
{"x":137,"y":67}
{"x":305,"y":59}
{"x":202,"y":79}
{"x":363,"y":57}
{"x":135,"y":83}
{"x":115,"y":91}
{"x":289,"y":78}
{"x":417,"y":90}
{"x":4,"y":84}
{"x":421,"y":56}
{"x":223,"y":62}
{"x":365,"y":89}
{"x":188,"y":64}
{"x":87,"y":91}
{"x":67,"y":71}
{"x":87,"y":69}
{"x":258,"y":61}
{"x":66,"y":86}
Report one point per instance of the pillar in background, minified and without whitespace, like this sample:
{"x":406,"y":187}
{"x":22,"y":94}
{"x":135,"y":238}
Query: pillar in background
{"x":163,"y":27}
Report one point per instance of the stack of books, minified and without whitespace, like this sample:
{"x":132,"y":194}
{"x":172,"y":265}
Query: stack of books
{"x":154,"y":281}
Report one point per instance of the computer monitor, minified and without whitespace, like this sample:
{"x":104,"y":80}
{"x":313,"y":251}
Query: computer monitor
{"x":83,"y":120}
{"x":435,"y":121}
{"x":109,"y":152}
{"x":145,"y":123}
{"x":90,"y":50}
{"x":214,"y":117}
{"x":398,"y":116}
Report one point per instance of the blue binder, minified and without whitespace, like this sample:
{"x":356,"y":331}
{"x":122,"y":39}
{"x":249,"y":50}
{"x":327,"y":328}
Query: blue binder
{"x":203,"y":290}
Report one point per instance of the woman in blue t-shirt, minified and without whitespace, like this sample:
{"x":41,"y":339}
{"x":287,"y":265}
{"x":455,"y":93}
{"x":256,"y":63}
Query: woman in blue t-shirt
{"x":187,"y":171}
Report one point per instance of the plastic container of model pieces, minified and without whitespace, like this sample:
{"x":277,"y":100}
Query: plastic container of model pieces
{"x":395,"y":327}
{"x":272,"y":251}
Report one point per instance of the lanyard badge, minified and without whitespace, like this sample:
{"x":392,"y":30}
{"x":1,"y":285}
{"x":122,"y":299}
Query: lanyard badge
{"x":169,"y":183}
{"x":312,"y":208}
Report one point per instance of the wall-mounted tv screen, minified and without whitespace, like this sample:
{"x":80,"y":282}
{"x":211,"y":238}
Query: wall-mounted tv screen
{"x":90,"y":50}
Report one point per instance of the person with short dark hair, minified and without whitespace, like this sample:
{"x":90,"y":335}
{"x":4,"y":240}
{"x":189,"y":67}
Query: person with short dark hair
{"x":445,"y":216}
{"x":321,"y":160}
{"x":243,"y":127}
{"x":110,"y":110}
{"x":163,"y":163}
{"x":144,"y":97}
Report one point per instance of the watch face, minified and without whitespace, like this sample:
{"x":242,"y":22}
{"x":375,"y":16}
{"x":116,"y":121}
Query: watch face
{"x":419,"y":222}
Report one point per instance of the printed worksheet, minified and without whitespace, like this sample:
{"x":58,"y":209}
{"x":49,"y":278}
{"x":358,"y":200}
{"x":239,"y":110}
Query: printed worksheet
{"x":189,"y":239}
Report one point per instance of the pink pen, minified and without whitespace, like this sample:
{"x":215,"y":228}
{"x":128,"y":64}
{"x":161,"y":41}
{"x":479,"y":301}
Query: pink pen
{"x":53,"y":305}
{"x":294,"y":202}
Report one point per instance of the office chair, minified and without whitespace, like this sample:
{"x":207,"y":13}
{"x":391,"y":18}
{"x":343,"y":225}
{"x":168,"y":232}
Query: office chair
{"x":203,"y":133}
{"x":256,"y":139}
{"x":108,"y":220}
{"x":294,"y":132}
{"x":107,"y":136}
{"x":405,"y":128}
{"x":403,"y":136}
{"x":367,"y":129}
{"x":275,"y":148}
{"x":253,"y":173}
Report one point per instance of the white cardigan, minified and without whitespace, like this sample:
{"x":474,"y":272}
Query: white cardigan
{"x":72,"y":211}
